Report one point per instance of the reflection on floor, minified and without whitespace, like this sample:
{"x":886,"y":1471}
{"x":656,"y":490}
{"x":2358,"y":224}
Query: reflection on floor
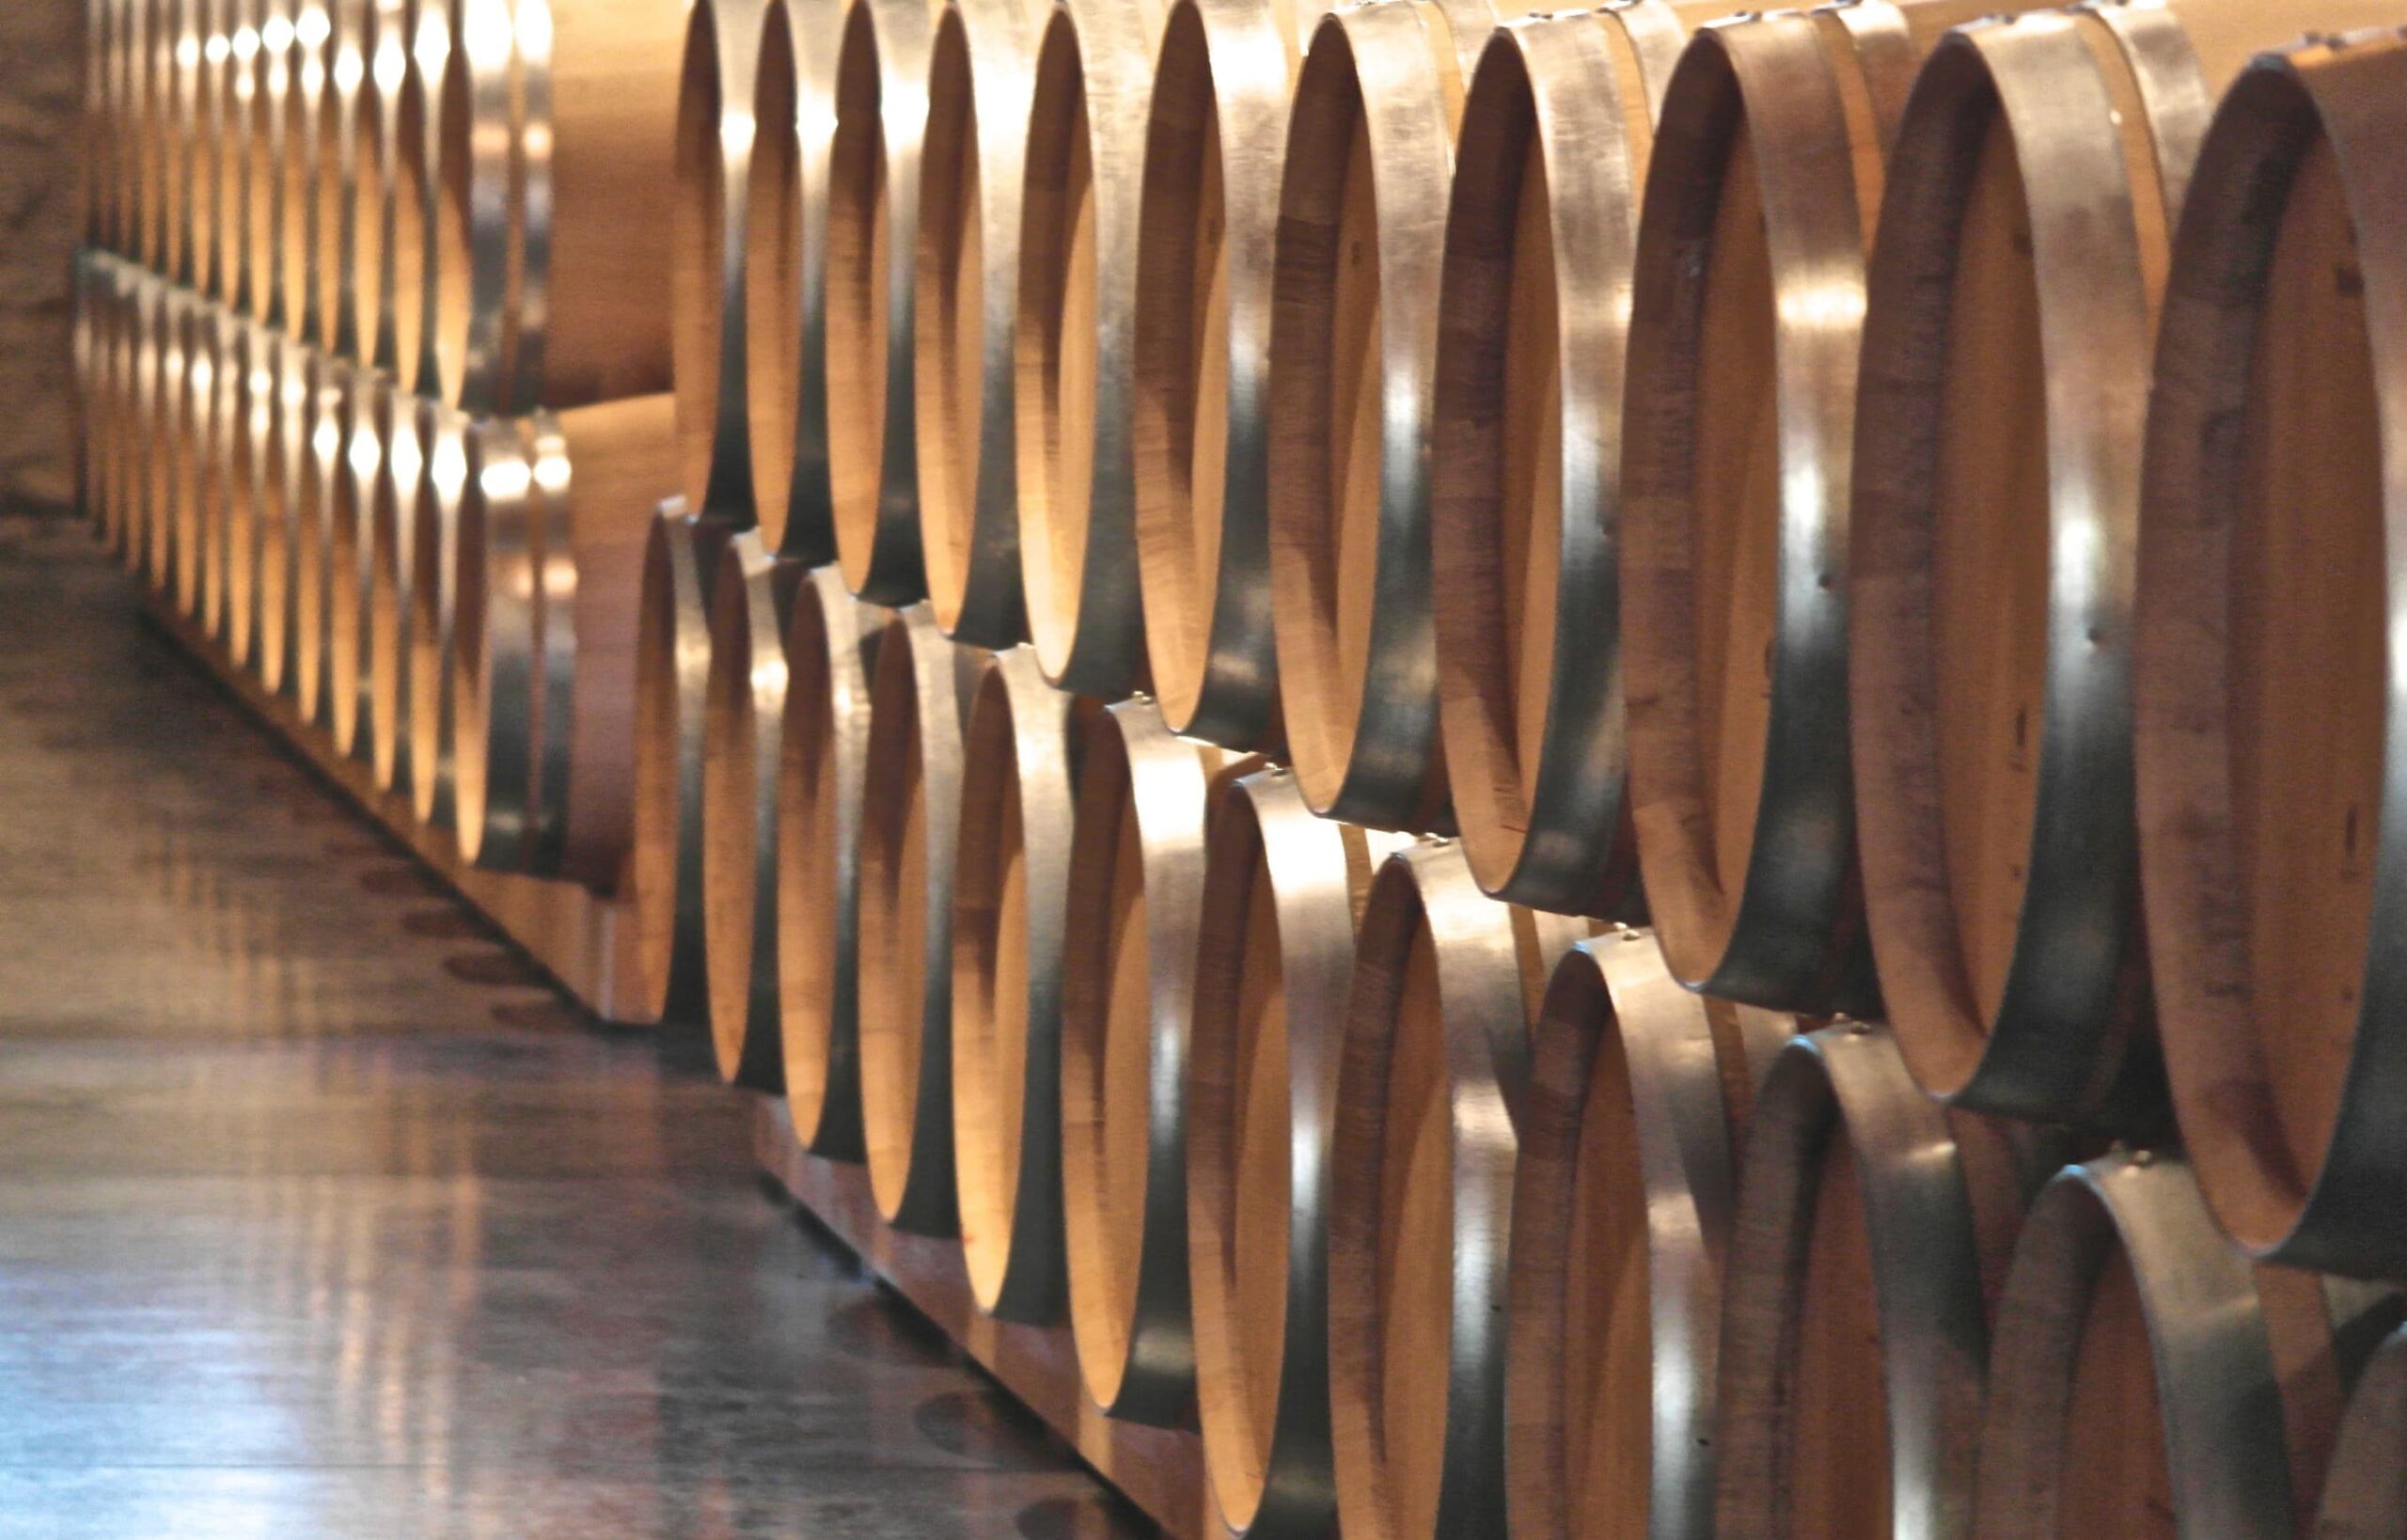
{"x":321,"y":1217}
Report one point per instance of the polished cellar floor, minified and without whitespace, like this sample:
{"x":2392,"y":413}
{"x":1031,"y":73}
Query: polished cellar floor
{"x":321,"y":1217}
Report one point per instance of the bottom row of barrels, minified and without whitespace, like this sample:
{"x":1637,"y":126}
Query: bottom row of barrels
{"x":1439,"y":1217}
{"x":1436,"y":1216}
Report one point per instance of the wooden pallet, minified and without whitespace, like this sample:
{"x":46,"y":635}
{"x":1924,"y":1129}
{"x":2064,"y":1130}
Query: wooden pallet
{"x":570,"y":931}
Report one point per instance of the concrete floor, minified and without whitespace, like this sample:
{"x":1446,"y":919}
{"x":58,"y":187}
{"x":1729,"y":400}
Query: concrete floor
{"x":319,"y":1215}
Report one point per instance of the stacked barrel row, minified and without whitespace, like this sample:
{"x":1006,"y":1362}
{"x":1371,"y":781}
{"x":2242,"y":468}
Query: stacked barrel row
{"x":1450,"y":724}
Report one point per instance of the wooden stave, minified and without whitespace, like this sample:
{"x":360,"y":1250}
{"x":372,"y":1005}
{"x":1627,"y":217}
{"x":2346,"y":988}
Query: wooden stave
{"x":665,"y":876}
{"x":1485,"y":960}
{"x":1022,"y":741}
{"x":1549,"y":827}
{"x":975,"y":591}
{"x":180,"y":60}
{"x":1686,"y":1152}
{"x":832,"y":641}
{"x":707,"y":270}
{"x":1095,"y":59}
{"x":742,"y":710}
{"x":1318,"y":871}
{"x":2338,"y":1216}
{"x":1136,"y":779}
{"x":2248,"y":1358}
{"x":442,"y":433}
{"x":920,"y":700}
{"x":263,"y":635}
{"x":873,"y":399}
{"x":1365,"y":750}
{"x":1939,"y":1228}
{"x":318,"y":424}
{"x":1793,"y":938}
{"x":1244,"y":54}
{"x":785,"y":398}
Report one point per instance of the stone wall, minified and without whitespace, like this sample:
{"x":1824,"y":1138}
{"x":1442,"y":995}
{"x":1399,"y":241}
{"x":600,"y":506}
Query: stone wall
{"x":42,"y":88}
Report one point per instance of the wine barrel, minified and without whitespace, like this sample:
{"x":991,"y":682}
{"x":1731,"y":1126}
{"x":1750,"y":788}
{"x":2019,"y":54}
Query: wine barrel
{"x":1274,"y":960}
{"x":1624,"y":1185}
{"x":282,"y":470}
{"x":137,"y":432}
{"x":391,"y":560}
{"x":920,"y":700}
{"x":362,"y":407}
{"x":267,"y":288}
{"x":785,"y":276}
{"x":1433,"y":1088}
{"x":1128,"y":970}
{"x":743,"y":712}
{"x":1072,"y":341}
{"x":328,"y":540}
{"x":192,"y":399}
{"x":2262,"y":680}
{"x":550,"y":549}
{"x":831,"y":655}
{"x":432,"y":572}
{"x":153,"y":123}
{"x":178,"y":64}
{"x":1207,"y":216}
{"x":493,"y":663}
{"x":206,"y":88}
{"x":1872,"y":1231}
{"x":1353,"y":334}
{"x":299,"y":150}
{"x":706,"y":266}
{"x":553,"y":178}
{"x":982,"y":68}
{"x":204,"y":396}
{"x":1533,"y":332}
{"x":664,"y":898}
{"x":100,"y":126}
{"x":608,"y":463}
{"x":2365,"y":1490}
{"x":336,"y":185}
{"x":400,"y":261}
{"x":1998,"y":440}
{"x":2146,"y":1380}
{"x":1735,"y":485}
{"x":872,"y":251}
{"x":237,"y":85}
{"x":1020,"y":763}
{"x":234,"y":511}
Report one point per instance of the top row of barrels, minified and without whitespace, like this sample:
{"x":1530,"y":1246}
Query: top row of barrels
{"x":1876,"y":484}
